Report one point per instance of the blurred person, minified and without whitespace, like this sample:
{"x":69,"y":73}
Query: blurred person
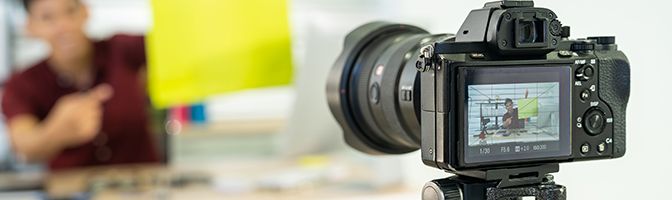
{"x":84,"y":105}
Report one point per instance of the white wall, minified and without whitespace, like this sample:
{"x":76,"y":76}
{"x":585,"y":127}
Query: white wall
{"x":4,"y":41}
{"x":642,"y":31}
{"x":4,"y":71}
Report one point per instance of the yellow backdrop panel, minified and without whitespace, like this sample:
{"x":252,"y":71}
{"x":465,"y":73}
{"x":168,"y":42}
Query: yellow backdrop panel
{"x":197,"y":48}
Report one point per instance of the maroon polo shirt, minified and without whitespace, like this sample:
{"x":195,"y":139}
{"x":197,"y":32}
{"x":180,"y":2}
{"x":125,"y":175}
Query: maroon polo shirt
{"x":125,"y":134}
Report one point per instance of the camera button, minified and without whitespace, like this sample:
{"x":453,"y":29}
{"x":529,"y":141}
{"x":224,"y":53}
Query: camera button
{"x":588,"y":71}
{"x":594,"y":122}
{"x":585,"y":95}
{"x":585,"y":148}
{"x":374,"y":93}
{"x":584,"y":73}
{"x":602,"y":147}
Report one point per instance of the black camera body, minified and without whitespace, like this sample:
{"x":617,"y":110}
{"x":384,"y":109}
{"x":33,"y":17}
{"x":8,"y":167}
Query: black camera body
{"x":510,"y":90}
{"x":584,"y":85}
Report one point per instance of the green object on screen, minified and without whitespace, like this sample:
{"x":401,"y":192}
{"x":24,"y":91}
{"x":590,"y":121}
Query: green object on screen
{"x":200,"y":48}
{"x":528,"y":108}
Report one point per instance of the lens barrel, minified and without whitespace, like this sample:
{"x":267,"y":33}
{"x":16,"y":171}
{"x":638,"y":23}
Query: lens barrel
{"x":373,"y":88}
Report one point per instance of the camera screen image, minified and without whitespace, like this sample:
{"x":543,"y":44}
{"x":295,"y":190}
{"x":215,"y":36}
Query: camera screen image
{"x":516,"y":113}
{"x":519,"y":113}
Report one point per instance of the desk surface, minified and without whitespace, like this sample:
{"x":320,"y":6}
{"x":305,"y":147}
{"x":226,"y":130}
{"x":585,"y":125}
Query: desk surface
{"x":230,"y":181}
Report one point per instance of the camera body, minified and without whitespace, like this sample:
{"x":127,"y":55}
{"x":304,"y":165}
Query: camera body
{"x":509,"y":90}
{"x":519,"y":55}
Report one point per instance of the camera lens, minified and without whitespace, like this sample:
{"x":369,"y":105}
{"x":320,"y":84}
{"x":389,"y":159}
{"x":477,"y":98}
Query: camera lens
{"x":373,"y":87}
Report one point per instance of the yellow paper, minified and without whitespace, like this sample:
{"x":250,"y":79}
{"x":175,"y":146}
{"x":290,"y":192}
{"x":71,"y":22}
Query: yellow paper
{"x":528,"y":108}
{"x":198,"y":48}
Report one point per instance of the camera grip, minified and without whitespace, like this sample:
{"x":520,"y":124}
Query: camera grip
{"x":614,"y":83}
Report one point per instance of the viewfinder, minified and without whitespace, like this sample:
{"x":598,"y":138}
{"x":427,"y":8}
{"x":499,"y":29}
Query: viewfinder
{"x":531,"y":32}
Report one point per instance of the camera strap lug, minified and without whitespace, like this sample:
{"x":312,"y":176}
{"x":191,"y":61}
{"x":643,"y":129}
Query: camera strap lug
{"x":428,"y":53}
{"x":424,"y":62}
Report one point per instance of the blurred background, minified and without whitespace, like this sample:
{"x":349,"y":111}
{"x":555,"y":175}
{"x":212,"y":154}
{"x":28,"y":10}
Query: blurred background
{"x":224,"y":135}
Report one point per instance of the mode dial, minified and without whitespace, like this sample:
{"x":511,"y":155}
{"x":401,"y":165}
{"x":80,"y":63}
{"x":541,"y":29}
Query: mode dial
{"x":603,"y":40}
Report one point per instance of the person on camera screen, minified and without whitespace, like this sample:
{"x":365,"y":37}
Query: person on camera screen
{"x":511,"y":120}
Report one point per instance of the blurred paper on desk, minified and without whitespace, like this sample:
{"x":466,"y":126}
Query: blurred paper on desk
{"x":199,"y":48}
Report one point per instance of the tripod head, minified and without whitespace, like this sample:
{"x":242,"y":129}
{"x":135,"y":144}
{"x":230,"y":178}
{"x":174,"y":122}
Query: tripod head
{"x":498,"y":184}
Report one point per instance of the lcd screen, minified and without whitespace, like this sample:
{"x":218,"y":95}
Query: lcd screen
{"x":514,"y":113}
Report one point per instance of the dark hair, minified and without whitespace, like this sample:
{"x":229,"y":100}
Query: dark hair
{"x":27,"y":3}
{"x":508,"y":101}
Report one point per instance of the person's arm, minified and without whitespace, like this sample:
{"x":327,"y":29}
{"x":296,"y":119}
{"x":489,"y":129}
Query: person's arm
{"x":74,"y":120}
{"x":32,"y":141}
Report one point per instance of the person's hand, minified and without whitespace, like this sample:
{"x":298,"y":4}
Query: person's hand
{"x":507,"y":122}
{"x":77,"y":118}
{"x":526,"y":93}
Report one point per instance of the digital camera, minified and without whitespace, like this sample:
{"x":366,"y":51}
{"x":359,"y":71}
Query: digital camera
{"x":509,"y":89}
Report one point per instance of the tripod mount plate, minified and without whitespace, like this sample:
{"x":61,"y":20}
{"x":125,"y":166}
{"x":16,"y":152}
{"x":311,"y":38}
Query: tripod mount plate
{"x":498,"y":184}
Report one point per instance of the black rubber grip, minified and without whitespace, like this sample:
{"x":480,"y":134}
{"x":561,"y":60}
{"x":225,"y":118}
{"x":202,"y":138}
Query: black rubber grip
{"x":614,"y":83}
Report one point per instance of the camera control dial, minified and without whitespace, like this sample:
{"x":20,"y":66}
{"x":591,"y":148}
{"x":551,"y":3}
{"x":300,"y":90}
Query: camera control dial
{"x":604,"y":40}
{"x":594,"y":121}
{"x":442,"y":189}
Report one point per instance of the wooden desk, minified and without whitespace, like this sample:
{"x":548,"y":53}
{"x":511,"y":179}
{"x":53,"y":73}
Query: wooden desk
{"x":21,"y":181}
{"x":161,"y":182}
